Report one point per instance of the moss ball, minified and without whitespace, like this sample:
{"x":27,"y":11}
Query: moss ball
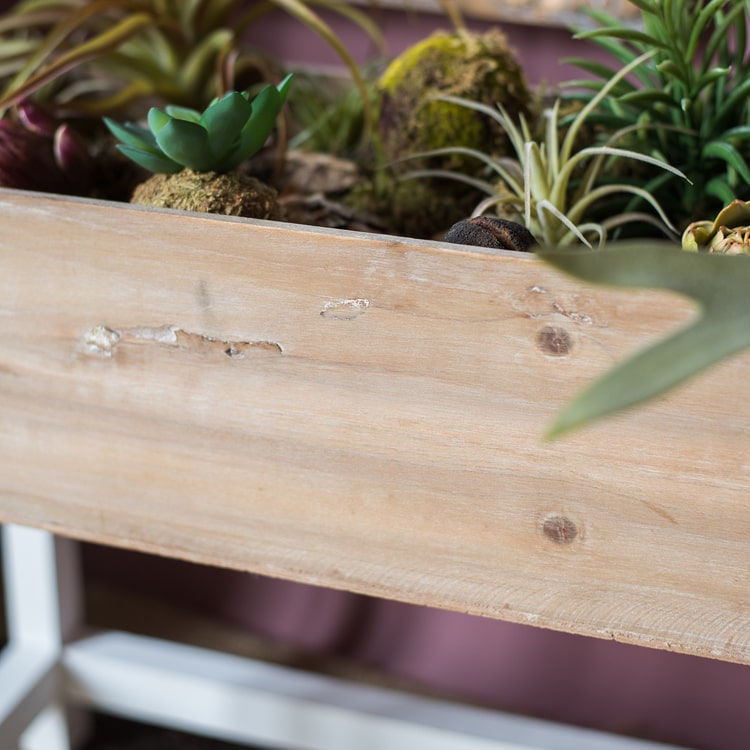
{"x":478,"y":67}
{"x":210,"y":192}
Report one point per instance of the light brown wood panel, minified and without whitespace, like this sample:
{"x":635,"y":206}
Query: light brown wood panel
{"x":365,"y":413}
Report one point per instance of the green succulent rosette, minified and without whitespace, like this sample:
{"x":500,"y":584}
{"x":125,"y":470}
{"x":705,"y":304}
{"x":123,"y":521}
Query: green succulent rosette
{"x":231,"y":129}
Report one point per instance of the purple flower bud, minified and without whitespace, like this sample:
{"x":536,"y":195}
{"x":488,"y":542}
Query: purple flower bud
{"x":35,"y":118}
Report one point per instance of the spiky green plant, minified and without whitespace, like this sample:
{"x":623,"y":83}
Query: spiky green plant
{"x":688,"y":104}
{"x":231,"y":129}
{"x":548,"y":186}
{"x":96,"y":57}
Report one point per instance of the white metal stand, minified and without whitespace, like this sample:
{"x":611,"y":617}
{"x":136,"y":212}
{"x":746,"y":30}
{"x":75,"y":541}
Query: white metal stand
{"x":212,"y":693}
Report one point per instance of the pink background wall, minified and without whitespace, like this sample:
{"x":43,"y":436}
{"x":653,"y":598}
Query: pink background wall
{"x":539,"y":49}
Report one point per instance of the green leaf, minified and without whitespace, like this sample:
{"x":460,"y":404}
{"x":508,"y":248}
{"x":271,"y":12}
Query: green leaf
{"x":183,"y":113}
{"x":625,"y":33}
{"x":717,"y":283}
{"x":711,"y":76}
{"x":224,"y":120}
{"x":157,"y":119}
{"x":729,"y":154}
{"x":719,"y":188}
{"x":284,"y":86}
{"x":87,"y":50}
{"x":648,"y":97}
{"x":200,"y":62}
{"x":132,"y":135}
{"x":598,"y":69}
{"x":646,"y":6}
{"x":265,"y":109}
{"x":149,"y":160}
{"x":186,"y":143}
{"x":670,"y":68}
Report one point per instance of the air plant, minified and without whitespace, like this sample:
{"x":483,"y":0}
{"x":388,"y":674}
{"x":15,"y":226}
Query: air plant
{"x":688,"y":104}
{"x":548,"y":186}
{"x":727,"y":234}
{"x":97,"y":57}
{"x":231,"y":129}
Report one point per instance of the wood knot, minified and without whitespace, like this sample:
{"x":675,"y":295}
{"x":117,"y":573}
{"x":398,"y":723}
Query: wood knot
{"x":492,"y":232}
{"x":554,"y":341}
{"x":559,"y":529}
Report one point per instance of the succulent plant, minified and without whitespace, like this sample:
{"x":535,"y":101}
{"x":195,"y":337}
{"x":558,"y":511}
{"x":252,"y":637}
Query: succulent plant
{"x":727,"y":234}
{"x":228,"y":131}
{"x":37,"y":152}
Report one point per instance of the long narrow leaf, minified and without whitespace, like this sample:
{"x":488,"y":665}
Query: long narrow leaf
{"x":729,"y":154}
{"x":79,"y":54}
{"x":717,"y":283}
{"x":623,"y":32}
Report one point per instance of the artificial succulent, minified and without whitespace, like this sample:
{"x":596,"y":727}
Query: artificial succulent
{"x":727,"y":234}
{"x":231,"y":129}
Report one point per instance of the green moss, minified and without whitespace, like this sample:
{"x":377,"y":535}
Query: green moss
{"x":209,"y":192}
{"x":482,"y":68}
{"x":412,"y":208}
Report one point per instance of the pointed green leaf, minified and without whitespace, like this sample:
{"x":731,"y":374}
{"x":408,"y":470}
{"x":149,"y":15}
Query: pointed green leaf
{"x":719,"y":285}
{"x":224,"y":120}
{"x":710,"y":76}
{"x":157,"y":119}
{"x":149,"y":160}
{"x":283,"y":87}
{"x":183,"y":113}
{"x":265,"y":109}
{"x":186,"y":143}
{"x":132,"y":135}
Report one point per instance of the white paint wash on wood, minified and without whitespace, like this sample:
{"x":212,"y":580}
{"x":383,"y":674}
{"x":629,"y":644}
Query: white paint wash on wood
{"x":365,"y":413}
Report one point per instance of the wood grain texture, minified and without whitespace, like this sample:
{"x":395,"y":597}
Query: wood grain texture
{"x":365,"y":413}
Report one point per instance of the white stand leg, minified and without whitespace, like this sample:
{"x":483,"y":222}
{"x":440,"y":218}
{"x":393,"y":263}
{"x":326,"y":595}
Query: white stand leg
{"x":43,"y":604}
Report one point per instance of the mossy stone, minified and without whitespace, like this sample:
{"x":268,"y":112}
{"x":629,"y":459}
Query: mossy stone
{"x":479,"y":67}
{"x":210,"y":192}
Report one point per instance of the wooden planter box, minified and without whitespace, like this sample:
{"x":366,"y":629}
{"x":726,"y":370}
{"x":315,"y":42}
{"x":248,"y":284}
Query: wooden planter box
{"x":366,"y":413}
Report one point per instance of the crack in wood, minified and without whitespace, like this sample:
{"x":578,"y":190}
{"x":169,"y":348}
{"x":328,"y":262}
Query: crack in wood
{"x":103,"y":341}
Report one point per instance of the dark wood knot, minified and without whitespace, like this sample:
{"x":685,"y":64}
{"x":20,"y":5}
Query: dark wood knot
{"x":493,"y":232}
